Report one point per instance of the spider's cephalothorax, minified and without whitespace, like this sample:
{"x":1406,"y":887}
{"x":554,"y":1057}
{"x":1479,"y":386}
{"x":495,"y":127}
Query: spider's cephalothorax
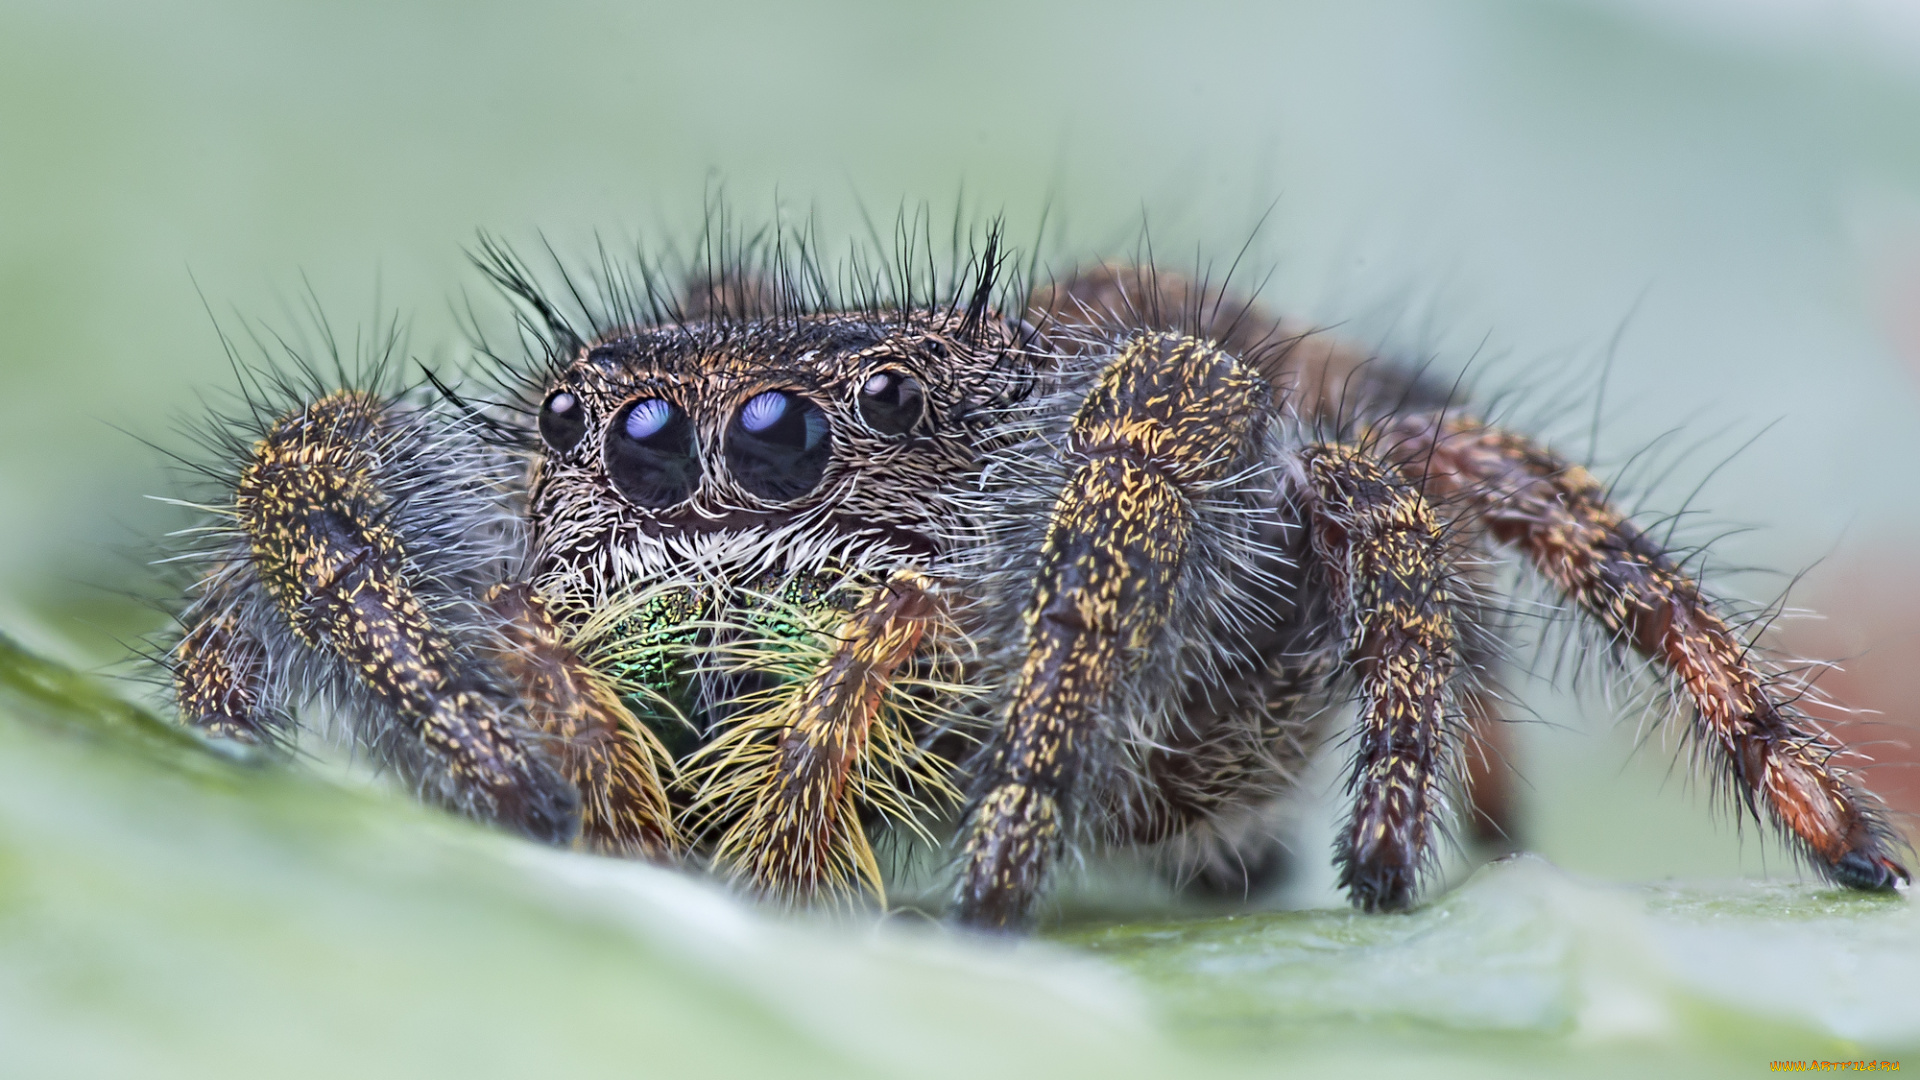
{"x":736,"y":449}
{"x":740,"y":580}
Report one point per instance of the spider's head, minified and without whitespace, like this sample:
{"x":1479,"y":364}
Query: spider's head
{"x":740,"y":445}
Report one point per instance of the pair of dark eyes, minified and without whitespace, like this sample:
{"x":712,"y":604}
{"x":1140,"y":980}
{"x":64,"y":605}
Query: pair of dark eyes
{"x":777,"y":446}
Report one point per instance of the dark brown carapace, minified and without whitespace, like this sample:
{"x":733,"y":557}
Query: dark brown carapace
{"x":739,"y":576}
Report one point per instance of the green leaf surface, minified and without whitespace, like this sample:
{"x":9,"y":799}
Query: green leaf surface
{"x":169,"y":910}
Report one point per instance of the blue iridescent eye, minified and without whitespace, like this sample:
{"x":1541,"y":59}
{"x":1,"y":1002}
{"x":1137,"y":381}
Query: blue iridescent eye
{"x":778,"y":445}
{"x":648,"y":418}
{"x":650,"y":453}
{"x":764,"y":411}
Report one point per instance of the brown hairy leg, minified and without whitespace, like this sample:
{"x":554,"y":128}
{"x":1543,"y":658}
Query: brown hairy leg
{"x":1379,"y":544}
{"x":1167,"y":417}
{"x":1323,"y":379}
{"x":318,"y":527}
{"x":811,"y":756}
{"x":1780,"y":761}
{"x":613,"y":760}
{"x":220,"y":670}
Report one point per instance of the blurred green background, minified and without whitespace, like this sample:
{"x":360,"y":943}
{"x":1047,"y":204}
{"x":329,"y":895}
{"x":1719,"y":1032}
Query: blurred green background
{"x":1724,"y":198}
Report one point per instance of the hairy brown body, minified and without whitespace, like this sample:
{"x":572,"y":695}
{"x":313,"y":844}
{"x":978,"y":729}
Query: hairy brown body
{"x":748,"y":575}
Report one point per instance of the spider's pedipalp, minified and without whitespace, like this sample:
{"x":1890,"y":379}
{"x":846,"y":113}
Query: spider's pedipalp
{"x":613,"y":760}
{"x":1780,"y":762}
{"x":1167,"y":418}
{"x":811,"y":755}
{"x":1379,"y":545}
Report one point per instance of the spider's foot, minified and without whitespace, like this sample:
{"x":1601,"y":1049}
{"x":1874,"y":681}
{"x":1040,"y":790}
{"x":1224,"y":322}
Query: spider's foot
{"x":1869,"y":873}
{"x":1013,"y":839}
{"x":495,"y":778}
{"x":539,"y":805}
{"x":1381,"y":889}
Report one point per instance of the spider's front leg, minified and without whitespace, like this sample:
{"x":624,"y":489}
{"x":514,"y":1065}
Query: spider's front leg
{"x":1168,"y":422}
{"x":327,"y":586}
{"x":1780,"y":761}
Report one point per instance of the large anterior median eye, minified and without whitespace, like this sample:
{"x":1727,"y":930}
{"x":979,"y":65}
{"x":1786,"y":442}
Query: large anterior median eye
{"x":778,"y":446}
{"x":650,"y":453}
{"x":891,"y":401}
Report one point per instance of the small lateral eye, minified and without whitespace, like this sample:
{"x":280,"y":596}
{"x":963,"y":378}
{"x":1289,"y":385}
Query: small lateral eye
{"x":891,"y":401}
{"x":650,"y":453}
{"x":563,"y":420}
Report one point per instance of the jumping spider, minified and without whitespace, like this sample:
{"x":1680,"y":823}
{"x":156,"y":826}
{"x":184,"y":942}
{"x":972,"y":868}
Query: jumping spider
{"x":739,"y":573}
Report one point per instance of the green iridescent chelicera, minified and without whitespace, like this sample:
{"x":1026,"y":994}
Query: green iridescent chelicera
{"x":651,"y":654}
{"x":655,"y":650}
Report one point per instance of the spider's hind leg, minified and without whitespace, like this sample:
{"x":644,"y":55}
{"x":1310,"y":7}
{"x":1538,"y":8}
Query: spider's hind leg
{"x":363,"y":533}
{"x":1779,"y":762}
